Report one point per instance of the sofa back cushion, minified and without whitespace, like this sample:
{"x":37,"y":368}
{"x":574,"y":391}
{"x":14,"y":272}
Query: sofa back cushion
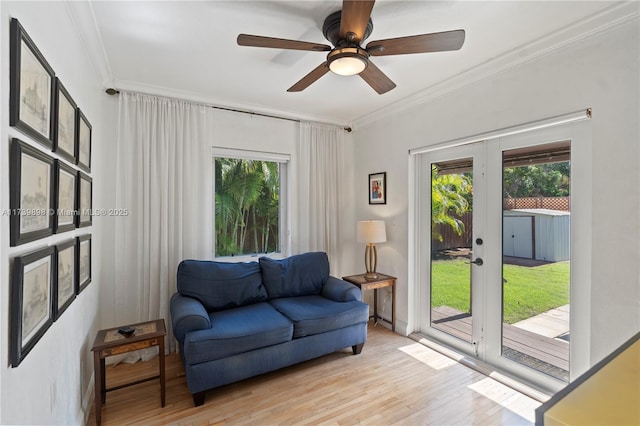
{"x":221,"y":285}
{"x":299,"y":275}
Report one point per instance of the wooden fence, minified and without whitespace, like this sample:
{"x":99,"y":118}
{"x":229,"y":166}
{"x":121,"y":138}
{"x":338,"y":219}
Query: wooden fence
{"x":451,"y":240}
{"x":550,"y":203}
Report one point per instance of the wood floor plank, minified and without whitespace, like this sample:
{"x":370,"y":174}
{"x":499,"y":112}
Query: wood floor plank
{"x":395,"y":380}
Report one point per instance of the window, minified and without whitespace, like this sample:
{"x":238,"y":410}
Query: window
{"x":249,"y":202}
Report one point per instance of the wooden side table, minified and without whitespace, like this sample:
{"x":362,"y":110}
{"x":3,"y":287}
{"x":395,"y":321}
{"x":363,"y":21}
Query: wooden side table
{"x":109,"y":342}
{"x":374,"y":284}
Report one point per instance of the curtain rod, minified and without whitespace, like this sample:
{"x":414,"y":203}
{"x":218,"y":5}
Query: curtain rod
{"x":514,"y":130}
{"x":111,"y":91}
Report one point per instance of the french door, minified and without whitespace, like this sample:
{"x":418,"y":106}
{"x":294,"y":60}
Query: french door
{"x":495,"y":263}
{"x":455,"y":217}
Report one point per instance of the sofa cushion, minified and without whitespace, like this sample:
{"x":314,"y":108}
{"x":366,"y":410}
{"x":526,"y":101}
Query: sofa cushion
{"x":236,"y":331}
{"x":299,"y":275}
{"x":221,"y":285}
{"x":316,"y":314}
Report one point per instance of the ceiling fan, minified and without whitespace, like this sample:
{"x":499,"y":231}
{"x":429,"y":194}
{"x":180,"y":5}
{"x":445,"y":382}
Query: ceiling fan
{"x":346,"y":29}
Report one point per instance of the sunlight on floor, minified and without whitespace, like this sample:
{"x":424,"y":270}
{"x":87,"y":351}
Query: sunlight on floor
{"x":506,"y":397}
{"x":428,"y":356}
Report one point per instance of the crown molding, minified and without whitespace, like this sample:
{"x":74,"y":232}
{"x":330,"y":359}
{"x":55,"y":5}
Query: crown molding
{"x":611,"y":18}
{"x":84,"y":20}
{"x":153,"y":90}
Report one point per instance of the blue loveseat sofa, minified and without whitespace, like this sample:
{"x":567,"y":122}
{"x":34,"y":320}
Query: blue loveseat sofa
{"x":238,"y":320}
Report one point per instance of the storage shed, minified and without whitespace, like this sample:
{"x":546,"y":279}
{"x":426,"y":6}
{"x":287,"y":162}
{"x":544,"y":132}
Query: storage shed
{"x":539,"y":234}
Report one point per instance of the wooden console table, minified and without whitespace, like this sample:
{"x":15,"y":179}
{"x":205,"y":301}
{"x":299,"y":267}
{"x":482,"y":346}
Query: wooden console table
{"x":109,"y":342}
{"x":374,"y":284}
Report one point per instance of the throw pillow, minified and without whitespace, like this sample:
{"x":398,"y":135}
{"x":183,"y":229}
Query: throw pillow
{"x":299,"y":275}
{"x":221,"y":285}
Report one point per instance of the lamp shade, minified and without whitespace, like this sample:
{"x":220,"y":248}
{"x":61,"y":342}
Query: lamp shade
{"x":371,"y":231}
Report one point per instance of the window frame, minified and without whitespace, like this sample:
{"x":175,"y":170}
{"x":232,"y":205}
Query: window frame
{"x":284,"y":223}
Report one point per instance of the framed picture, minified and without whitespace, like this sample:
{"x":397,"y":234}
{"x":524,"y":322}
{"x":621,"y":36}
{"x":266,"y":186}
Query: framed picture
{"x":64,"y":288}
{"x":64,"y":135}
{"x":31,"y":90}
{"x":31,"y":296}
{"x":83,"y":263}
{"x":85,"y":184}
{"x":66,"y":206}
{"x":83,"y":155}
{"x":31,"y":193}
{"x":378,"y":188}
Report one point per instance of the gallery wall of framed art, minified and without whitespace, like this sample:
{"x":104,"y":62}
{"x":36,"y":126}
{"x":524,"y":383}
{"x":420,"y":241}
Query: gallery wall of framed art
{"x":49,"y":385}
{"x":50,"y":194}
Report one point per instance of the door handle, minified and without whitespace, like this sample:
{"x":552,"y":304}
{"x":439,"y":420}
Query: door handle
{"x":478,"y":261}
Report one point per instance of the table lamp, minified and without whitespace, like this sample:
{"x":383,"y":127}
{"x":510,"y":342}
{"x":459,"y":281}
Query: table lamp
{"x":371,"y":232}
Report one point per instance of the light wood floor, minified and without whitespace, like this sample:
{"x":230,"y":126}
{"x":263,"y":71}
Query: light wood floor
{"x":394,"y":381}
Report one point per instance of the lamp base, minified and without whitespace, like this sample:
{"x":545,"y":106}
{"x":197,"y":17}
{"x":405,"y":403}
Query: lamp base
{"x":371,"y":261}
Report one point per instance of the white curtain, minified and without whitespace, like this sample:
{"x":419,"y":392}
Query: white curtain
{"x":320,"y":181}
{"x":163,"y":177}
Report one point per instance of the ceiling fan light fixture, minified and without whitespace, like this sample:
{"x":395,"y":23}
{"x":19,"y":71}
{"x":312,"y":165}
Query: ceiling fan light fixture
{"x":348,"y":60}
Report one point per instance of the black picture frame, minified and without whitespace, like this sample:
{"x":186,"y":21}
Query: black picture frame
{"x":31,"y":193}
{"x":378,"y":188}
{"x":32,"y":88}
{"x":65,"y":134}
{"x":83,"y":147}
{"x":84,"y":197}
{"x":65,"y":284}
{"x":66,"y":198}
{"x":31,"y":301}
{"x":83,"y":262}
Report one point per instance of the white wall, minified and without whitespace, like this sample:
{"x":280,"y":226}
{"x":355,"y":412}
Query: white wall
{"x":600,"y":72}
{"x":53,"y":383}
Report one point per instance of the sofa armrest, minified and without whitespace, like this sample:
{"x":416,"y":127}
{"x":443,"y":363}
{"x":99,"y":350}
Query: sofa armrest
{"x":187,"y":314}
{"x":340,"y":290}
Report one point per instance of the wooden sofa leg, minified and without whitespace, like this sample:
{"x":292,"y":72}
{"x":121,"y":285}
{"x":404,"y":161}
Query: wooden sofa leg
{"x":198,"y":398}
{"x":357,"y":348}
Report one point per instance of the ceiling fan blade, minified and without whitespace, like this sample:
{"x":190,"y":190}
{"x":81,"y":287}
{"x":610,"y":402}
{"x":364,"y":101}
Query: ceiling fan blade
{"x":310,"y":78}
{"x":354,"y":18}
{"x":434,"y":42}
{"x":280,"y":43}
{"x":377,"y":79}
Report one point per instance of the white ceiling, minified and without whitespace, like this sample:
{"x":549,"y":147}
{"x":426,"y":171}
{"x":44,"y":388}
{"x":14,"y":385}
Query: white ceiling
{"x":188,"y":49}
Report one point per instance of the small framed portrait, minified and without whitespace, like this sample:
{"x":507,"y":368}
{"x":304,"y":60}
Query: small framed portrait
{"x":31,"y":92}
{"x":31,"y":297}
{"x":85,"y":184}
{"x":83,"y":262}
{"x":64,"y":289}
{"x":378,"y":188}
{"x":66,"y":206}
{"x":31,"y":193}
{"x":65,"y":131}
{"x":83,"y":155}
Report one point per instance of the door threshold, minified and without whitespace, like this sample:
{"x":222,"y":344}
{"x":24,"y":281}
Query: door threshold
{"x":482,"y":368}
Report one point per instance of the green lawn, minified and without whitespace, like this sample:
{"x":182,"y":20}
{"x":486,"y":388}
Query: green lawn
{"x":528,"y":291}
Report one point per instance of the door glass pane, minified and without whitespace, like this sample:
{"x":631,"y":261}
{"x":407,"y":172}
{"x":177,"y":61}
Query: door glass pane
{"x":451,"y":235}
{"x":536,"y":257}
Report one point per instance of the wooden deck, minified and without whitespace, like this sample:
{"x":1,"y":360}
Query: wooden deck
{"x":547,"y":351}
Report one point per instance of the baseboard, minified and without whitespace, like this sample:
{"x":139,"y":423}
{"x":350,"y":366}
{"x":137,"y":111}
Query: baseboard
{"x":88,"y":399}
